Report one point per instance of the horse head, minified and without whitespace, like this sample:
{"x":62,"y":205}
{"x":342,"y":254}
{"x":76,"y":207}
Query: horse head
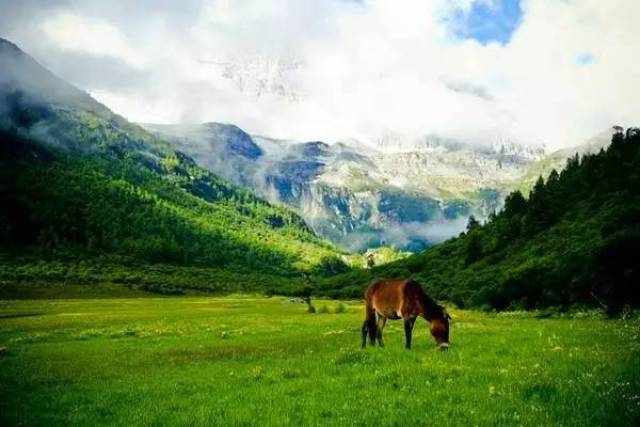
{"x":440,"y":329}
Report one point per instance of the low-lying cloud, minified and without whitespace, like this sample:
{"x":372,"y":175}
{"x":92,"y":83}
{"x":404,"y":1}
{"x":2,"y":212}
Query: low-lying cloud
{"x":407,"y":236}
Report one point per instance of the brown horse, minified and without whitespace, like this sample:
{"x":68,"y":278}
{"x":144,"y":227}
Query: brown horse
{"x":402,"y":299}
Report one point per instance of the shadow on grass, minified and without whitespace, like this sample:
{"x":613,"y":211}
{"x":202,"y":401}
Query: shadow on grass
{"x":16,"y":315}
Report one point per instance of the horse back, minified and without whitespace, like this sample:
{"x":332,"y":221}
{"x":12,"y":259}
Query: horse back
{"x":392,"y":298}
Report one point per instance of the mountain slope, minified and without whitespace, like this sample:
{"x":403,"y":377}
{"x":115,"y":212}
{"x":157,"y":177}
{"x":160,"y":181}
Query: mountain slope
{"x":575,"y":240}
{"x":78,"y":181}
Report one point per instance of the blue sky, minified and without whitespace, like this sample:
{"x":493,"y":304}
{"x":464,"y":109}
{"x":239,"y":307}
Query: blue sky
{"x":584,"y":58}
{"x":488,"y":21}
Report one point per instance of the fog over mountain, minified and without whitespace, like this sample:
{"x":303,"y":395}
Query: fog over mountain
{"x":305,"y":70}
{"x":406,"y":193}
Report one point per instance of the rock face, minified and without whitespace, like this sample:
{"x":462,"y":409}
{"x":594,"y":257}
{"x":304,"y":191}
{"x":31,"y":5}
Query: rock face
{"x":407,"y":193}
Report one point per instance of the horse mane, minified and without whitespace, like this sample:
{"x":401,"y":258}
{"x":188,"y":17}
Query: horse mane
{"x":430,"y":305}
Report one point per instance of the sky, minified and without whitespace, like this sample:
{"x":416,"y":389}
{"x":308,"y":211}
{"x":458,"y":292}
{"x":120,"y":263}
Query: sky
{"x":552,"y":72}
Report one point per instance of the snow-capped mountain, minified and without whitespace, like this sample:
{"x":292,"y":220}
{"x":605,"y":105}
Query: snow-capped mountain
{"x":410,"y":193}
{"x":260,"y":75}
{"x":500,"y":145}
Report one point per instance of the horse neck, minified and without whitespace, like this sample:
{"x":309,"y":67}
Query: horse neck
{"x":430,"y":308}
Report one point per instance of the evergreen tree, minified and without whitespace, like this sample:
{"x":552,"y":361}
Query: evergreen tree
{"x":515,"y":204}
{"x":473,"y":249}
{"x":538,"y":210}
{"x":472,"y":223}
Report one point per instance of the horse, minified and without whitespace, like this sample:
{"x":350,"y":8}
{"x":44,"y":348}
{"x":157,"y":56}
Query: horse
{"x":402,"y":299}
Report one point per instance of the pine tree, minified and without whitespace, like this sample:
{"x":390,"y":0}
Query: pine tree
{"x":515,"y":204}
{"x":538,"y":211}
{"x":473,"y":249}
{"x":473,"y":223}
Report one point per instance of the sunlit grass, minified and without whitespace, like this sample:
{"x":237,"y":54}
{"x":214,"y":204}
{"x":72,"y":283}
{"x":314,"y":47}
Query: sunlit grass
{"x":256,"y":360}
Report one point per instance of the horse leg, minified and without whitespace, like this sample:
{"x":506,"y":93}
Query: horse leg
{"x":369,"y":327}
{"x":365,"y":331}
{"x":408,"y":329}
{"x":372,"y":328}
{"x":382,"y":321}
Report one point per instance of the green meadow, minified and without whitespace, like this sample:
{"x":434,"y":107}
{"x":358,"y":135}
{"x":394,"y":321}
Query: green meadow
{"x":253,"y":360}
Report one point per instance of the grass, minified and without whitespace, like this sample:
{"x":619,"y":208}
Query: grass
{"x":244,"y":360}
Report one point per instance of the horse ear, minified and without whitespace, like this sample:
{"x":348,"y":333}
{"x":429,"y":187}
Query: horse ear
{"x":446,"y":314}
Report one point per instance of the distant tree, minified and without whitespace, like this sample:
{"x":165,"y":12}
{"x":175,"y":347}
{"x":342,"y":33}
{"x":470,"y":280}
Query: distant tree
{"x":331,"y":264}
{"x":306,"y":292}
{"x":371,"y":261}
{"x":515,"y":204}
{"x":555,"y":199}
{"x":537,"y":193}
{"x":554,"y":176}
{"x":473,"y":249}
{"x":472,"y":223}
{"x":538,"y":209}
{"x":574,"y":161}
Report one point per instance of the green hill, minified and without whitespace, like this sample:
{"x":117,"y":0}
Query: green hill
{"x":84,"y":193}
{"x":575,"y":240}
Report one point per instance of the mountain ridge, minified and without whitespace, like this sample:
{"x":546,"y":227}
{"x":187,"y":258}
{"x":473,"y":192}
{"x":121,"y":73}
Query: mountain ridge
{"x":342,"y":189}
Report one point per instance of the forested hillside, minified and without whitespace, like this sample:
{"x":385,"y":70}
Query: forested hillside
{"x":81,"y":184}
{"x":576,"y":239}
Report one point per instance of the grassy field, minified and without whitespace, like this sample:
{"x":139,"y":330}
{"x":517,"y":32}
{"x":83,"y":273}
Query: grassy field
{"x":266,"y":361}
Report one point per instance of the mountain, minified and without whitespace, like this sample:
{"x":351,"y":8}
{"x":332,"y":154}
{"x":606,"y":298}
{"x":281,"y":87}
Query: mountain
{"x":575,"y":240}
{"x":258,"y":75}
{"x":411,"y":193}
{"x":80,"y":184}
{"x":224,"y":149}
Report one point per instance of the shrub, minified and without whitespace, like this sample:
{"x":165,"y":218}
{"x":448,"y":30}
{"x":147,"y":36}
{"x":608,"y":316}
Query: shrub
{"x":340,"y":308}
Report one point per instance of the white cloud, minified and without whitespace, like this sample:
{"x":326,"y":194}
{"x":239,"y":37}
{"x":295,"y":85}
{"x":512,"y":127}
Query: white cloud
{"x":76,"y":33}
{"x":326,"y":70}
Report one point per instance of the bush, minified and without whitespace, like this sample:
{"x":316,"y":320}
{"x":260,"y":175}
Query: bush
{"x":340,"y":308}
{"x":162,"y":289}
{"x":330,"y":265}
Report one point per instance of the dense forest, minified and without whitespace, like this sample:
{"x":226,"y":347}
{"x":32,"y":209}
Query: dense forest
{"x":575,"y":240}
{"x":65,"y":209}
{"x":55,"y":202}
